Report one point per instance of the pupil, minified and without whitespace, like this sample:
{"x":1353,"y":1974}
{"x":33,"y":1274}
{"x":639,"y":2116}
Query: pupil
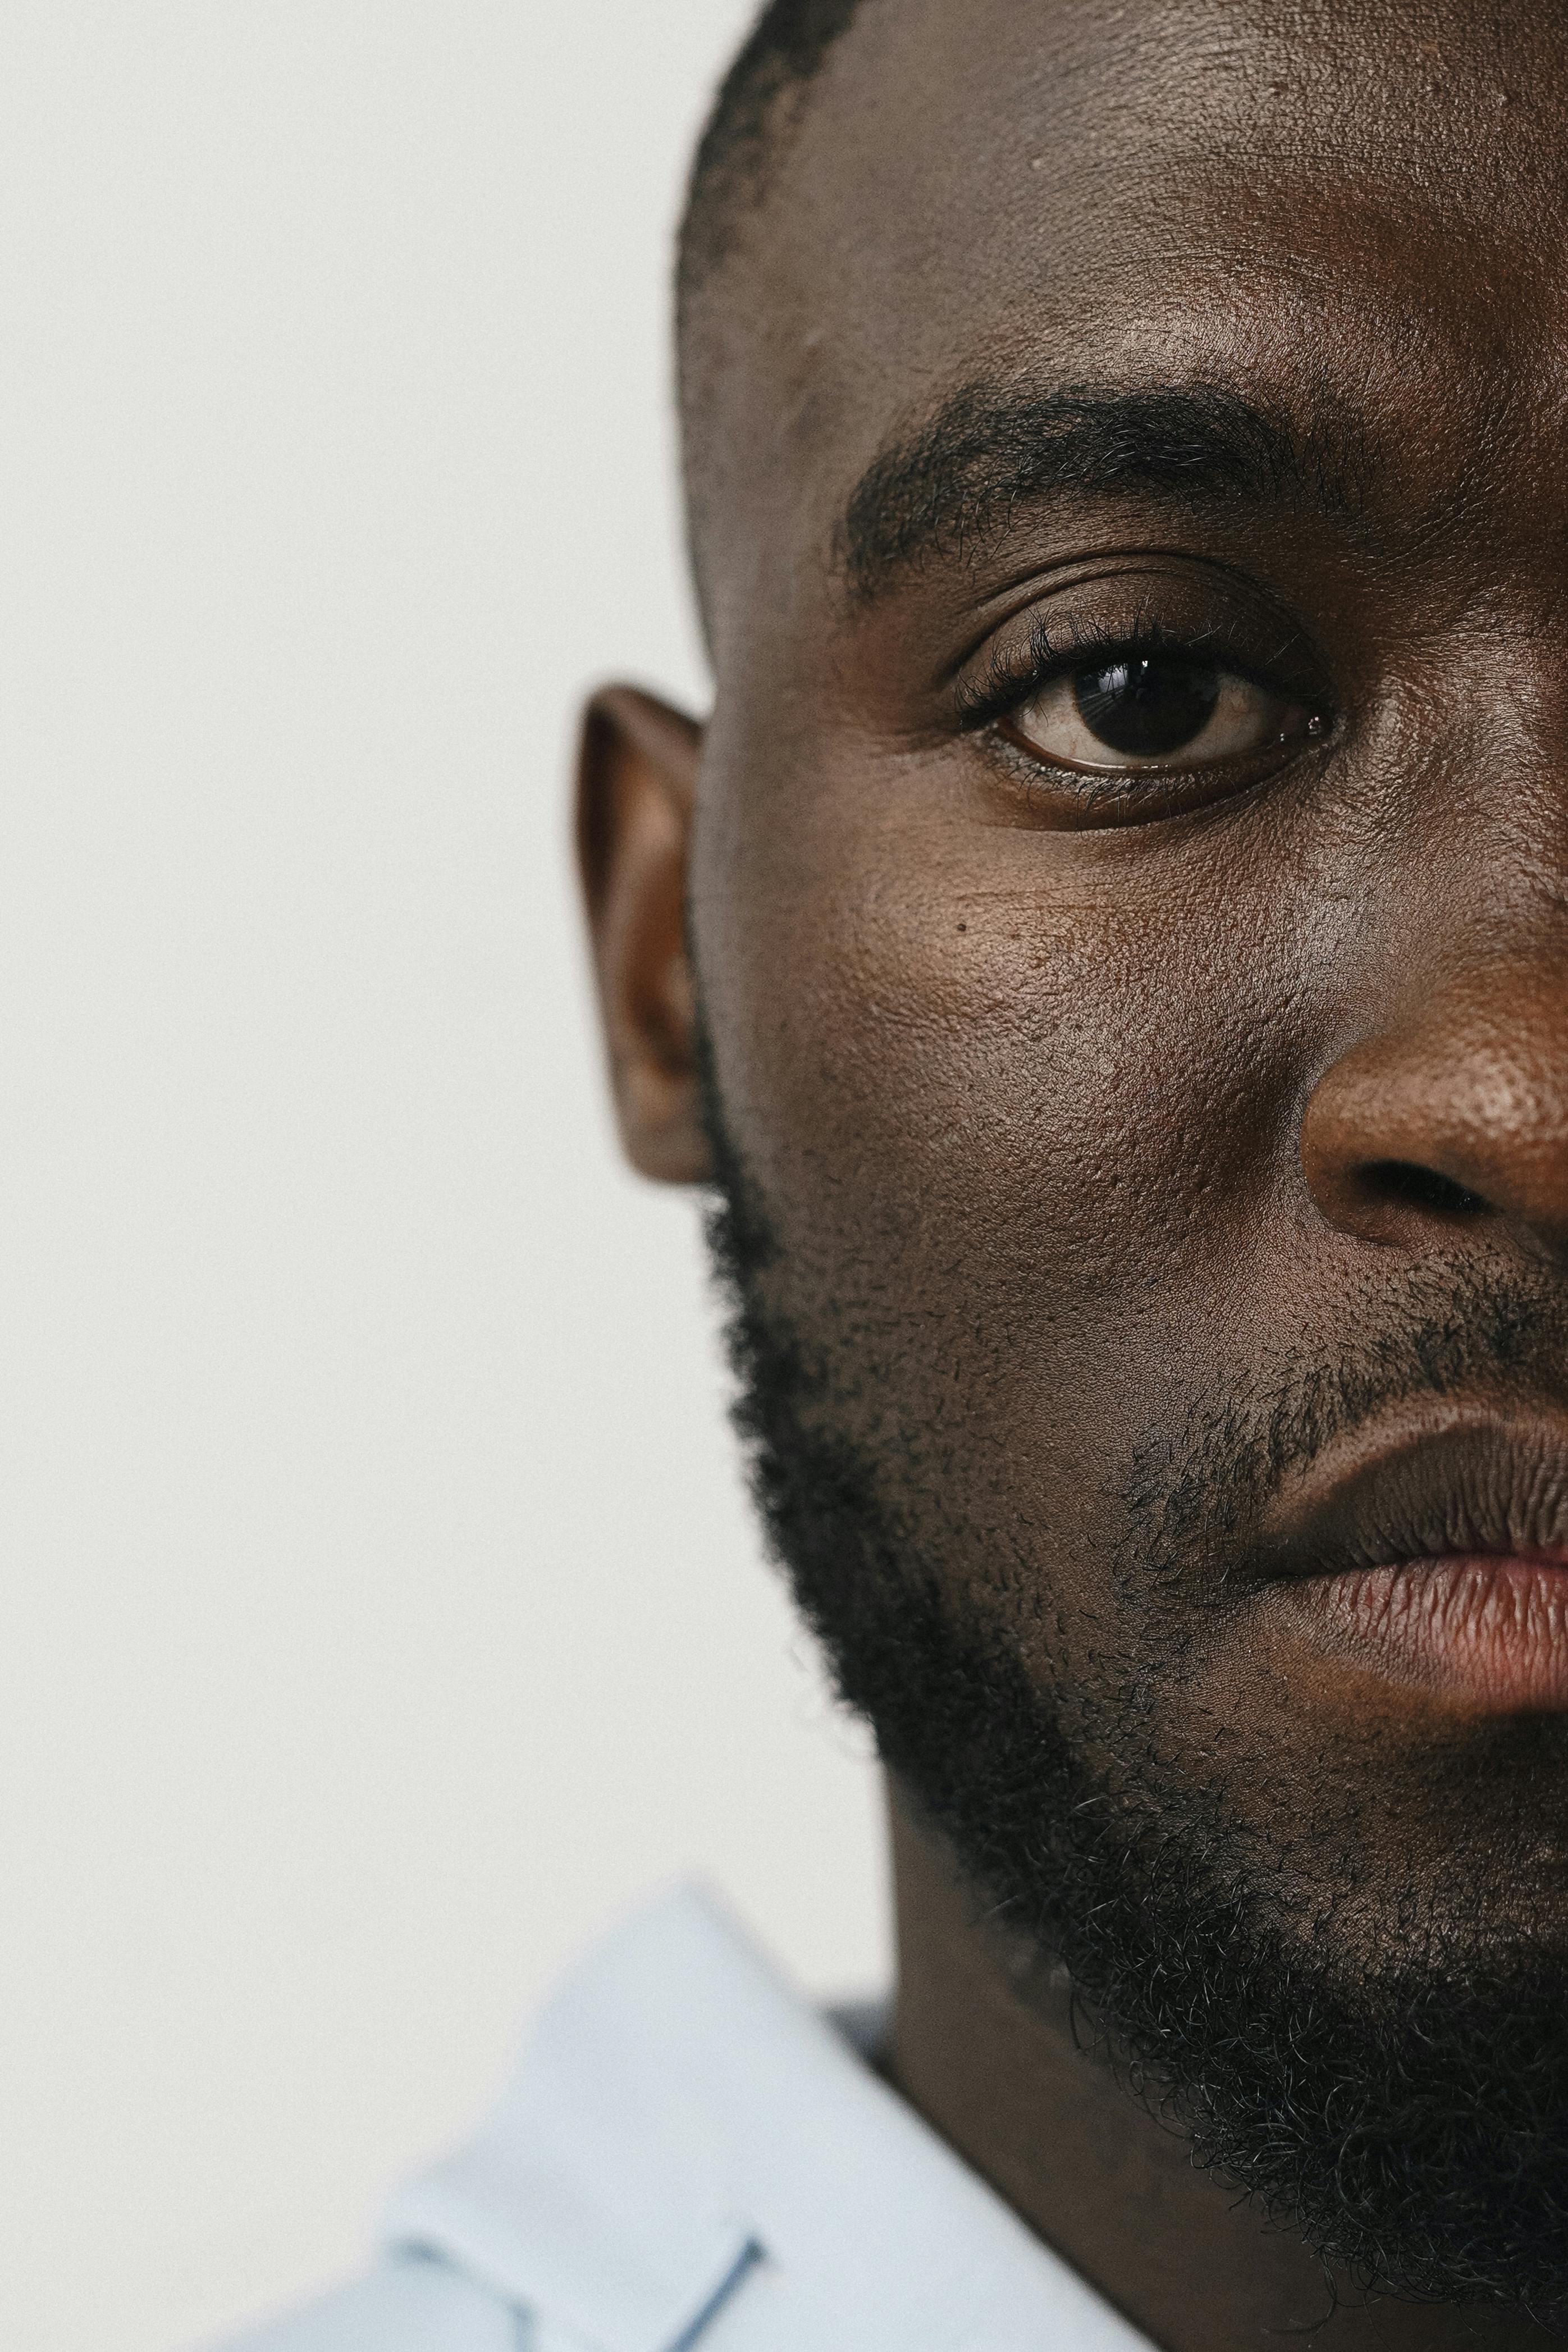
{"x":1149,"y":707}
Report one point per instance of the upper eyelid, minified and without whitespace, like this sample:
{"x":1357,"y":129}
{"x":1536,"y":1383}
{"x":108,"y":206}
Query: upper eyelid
{"x":1008,"y":682}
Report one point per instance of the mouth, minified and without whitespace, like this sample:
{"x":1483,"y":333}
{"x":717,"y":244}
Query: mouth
{"x":1434,"y":1556}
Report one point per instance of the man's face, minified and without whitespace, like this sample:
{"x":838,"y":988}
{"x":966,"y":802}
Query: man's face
{"x":1130,"y":897}
{"x":1081,"y":1104}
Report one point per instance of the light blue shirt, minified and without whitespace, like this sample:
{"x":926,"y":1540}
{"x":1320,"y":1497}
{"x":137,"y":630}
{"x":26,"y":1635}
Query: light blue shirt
{"x":691,"y":2159}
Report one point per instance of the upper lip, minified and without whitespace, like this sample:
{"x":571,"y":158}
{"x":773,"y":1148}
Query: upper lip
{"x":1466,"y":1481}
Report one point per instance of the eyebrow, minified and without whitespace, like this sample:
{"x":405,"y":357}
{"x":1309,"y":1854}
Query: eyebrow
{"x":955,"y":484}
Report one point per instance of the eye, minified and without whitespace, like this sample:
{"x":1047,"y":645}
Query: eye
{"x":1156,"y":710}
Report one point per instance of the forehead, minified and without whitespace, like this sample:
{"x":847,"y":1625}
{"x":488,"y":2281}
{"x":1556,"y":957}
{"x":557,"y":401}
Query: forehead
{"x":1351,"y":205}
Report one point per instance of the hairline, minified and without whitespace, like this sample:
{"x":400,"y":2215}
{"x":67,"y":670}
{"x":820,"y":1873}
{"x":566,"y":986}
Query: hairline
{"x":751,"y":129}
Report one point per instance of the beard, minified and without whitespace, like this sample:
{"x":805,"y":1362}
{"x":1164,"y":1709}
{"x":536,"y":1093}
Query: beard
{"x":1403,"y":2105}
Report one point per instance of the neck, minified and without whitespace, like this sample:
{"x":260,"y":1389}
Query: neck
{"x":1006,"y":2084}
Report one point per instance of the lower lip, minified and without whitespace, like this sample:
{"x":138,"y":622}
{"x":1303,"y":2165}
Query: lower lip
{"x":1482,"y":1629}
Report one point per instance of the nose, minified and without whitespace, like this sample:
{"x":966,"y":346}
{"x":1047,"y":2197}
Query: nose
{"x":1457,"y":1116}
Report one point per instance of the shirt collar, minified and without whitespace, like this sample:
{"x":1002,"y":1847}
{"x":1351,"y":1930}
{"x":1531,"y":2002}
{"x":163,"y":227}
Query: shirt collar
{"x":682,"y":2128}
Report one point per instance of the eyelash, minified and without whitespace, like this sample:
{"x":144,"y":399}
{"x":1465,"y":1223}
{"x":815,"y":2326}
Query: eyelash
{"x":1014,"y":676}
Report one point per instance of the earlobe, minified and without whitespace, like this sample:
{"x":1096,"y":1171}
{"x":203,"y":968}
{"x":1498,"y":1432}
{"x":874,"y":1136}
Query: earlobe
{"x":636,"y":792}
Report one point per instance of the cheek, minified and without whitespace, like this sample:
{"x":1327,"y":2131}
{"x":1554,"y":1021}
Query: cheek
{"x":1024,"y":1117}
{"x":992,"y":1085}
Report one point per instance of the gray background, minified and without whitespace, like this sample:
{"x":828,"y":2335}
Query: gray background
{"x":382,"y":1616}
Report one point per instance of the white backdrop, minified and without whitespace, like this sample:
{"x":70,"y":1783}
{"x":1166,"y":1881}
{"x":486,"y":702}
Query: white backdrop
{"x":382,"y":1613}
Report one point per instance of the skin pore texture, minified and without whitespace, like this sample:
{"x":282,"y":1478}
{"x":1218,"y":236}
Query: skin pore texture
{"x":1141,"y":1125}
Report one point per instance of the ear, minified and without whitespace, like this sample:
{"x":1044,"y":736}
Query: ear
{"x":636,"y":790}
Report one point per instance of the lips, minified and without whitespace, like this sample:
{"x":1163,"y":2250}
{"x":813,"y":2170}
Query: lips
{"x":1436,"y":1557}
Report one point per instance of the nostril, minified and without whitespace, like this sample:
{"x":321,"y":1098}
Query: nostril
{"x":1404,"y":1181}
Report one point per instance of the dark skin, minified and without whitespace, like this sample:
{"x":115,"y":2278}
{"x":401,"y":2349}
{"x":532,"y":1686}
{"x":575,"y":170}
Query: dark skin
{"x":1084,"y":1091}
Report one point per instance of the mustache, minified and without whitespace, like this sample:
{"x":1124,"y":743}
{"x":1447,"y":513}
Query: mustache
{"x":1198,"y":1495}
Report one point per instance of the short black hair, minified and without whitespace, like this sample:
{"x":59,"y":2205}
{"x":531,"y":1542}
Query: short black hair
{"x":758,"y":101}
